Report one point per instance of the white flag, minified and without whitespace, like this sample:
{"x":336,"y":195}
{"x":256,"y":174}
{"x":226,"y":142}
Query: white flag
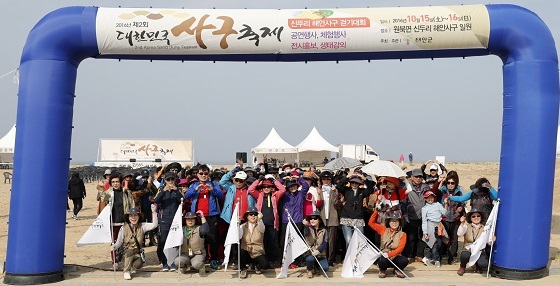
{"x":232,"y":236}
{"x":294,"y":246}
{"x":479,"y":245}
{"x":174,"y":237}
{"x":360,"y":255}
{"x":99,"y":231}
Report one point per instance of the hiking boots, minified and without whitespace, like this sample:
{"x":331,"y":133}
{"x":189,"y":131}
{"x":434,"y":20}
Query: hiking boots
{"x":202,"y":271}
{"x":399,"y":274}
{"x":461,"y":271}
{"x":243,"y":274}
{"x":309,"y":274}
{"x":382,"y":273}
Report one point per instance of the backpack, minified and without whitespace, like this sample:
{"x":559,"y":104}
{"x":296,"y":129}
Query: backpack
{"x":481,"y":200}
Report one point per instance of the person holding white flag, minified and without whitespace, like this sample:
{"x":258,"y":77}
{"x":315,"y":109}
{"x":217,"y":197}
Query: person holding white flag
{"x":393,"y":241}
{"x":192,"y":249}
{"x":317,"y":238}
{"x":360,"y":255}
{"x":99,"y":231}
{"x":476,"y":236}
{"x":131,"y":238}
{"x":294,"y":246}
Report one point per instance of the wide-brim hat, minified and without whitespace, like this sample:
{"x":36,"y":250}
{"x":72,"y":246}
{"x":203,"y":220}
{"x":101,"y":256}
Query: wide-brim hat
{"x":315,"y":214}
{"x":291,"y":183}
{"x":174,"y":165}
{"x":250,"y":210}
{"x":287,"y":166}
{"x":169,"y":175}
{"x":133,"y":211}
{"x":393,"y":180}
{"x":326,"y":174}
{"x":265,"y":183}
{"x":183,"y":182}
{"x":308,"y":175}
{"x":394,"y":215}
{"x":474,"y":210}
{"x":356,"y":180}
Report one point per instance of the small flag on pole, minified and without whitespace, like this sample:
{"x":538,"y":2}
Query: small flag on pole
{"x":99,"y":231}
{"x":175,"y":237}
{"x":294,"y":246}
{"x":359,"y":256}
{"x":232,"y":236}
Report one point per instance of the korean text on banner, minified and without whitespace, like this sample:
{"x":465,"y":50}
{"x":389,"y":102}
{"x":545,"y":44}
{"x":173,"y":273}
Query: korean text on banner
{"x":294,"y":246}
{"x":99,"y":231}
{"x":175,"y":237}
{"x":359,"y":256}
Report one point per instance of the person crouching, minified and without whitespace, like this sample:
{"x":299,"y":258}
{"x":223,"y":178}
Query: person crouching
{"x":316,"y":236}
{"x":134,"y":233}
{"x":193,"y":253}
{"x":252,"y":247}
{"x":393,"y":241}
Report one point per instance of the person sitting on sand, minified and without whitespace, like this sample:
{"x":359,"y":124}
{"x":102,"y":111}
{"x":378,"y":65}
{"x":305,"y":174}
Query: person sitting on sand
{"x":252,"y":248}
{"x":131,"y":238}
{"x":471,"y":228}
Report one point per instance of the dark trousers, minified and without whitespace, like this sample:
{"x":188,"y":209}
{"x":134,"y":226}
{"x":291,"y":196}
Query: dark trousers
{"x":399,"y":260}
{"x":163,"y":232}
{"x":78,"y":203}
{"x":414,"y":244}
{"x":152,"y":233}
{"x":211,"y":240}
{"x":115,"y":229}
{"x":331,"y":251}
{"x":453,"y":245}
{"x":482,"y":261}
{"x":433,"y":253}
{"x":271,"y":243}
{"x":260,"y":261}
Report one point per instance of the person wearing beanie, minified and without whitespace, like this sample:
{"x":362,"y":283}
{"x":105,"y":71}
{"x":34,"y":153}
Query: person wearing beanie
{"x":433,"y":231}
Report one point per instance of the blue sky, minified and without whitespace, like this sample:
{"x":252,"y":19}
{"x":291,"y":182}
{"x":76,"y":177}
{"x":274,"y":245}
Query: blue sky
{"x":450,"y":107}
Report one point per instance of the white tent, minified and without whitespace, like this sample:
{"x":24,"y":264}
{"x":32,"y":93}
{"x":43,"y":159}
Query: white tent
{"x":7,"y":144}
{"x":275,"y":148}
{"x":314,"y":148}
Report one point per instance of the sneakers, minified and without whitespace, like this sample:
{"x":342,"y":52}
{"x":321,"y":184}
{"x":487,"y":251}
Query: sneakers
{"x":309,"y":274}
{"x":173,"y":267}
{"x":427,"y":261}
{"x":115,"y":266}
{"x":183,"y":270}
{"x":202,"y":271}
{"x":450,"y":260}
{"x":478,"y":270}
{"x":75,"y":217}
{"x":399,"y":274}
{"x":127,"y":276}
{"x":234,"y":266}
{"x":132,"y":270}
{"x":214,"y":264}
{"x":382,"y":273}
{"x":257,"y":271}
{"x":293,"y":266}
{"x":165,"y":268}
{"x":438,"y":264}
{"x":461,"y":271}
{"x":243,"y":274}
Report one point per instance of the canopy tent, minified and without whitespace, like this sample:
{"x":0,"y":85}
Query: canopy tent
{"x":276,"y":149}
{"x":314,"y":148}
{"x":7,"y":144}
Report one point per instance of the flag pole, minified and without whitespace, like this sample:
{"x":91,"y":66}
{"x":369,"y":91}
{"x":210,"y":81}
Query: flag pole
{"x":379,"y":250}
{"x":114,"y":253}
{"x":304,"y":240}
{"x":239,"y":201}
{"x":182,"y":238}
{"x":491,"y":237}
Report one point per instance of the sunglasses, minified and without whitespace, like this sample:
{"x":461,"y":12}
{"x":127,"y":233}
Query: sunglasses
{"x":170,"y":179}
{"x":475,"y":216}
{"x":450,"y":183}
{"x":418,"y":177}
{"x":252,"y":214}
{"x":239,"y":180}
{"x":115,"y":182}
{"x":313,"y":218}
{"x":203,"y":173}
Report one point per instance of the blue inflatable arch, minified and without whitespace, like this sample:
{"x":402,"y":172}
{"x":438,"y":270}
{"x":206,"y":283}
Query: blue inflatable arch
{"x":62,"y":39}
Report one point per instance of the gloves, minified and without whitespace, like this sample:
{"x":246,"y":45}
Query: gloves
{"x":259,"y":216}
{"x":153,"y":207}
{"x":113,"y":247}
{"x":385,"y":254}
{"x":269,"y":176}
{"x":200,"y":213}
{"x":315,"y":252}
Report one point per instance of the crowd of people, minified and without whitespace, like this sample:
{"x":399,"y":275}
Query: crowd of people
{"x":416,"y":218}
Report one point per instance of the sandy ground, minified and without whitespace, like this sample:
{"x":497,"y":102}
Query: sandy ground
{"x":91,"y":264}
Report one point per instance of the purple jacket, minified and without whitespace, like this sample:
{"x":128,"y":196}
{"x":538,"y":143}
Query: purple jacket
{"x":293,"y":202}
